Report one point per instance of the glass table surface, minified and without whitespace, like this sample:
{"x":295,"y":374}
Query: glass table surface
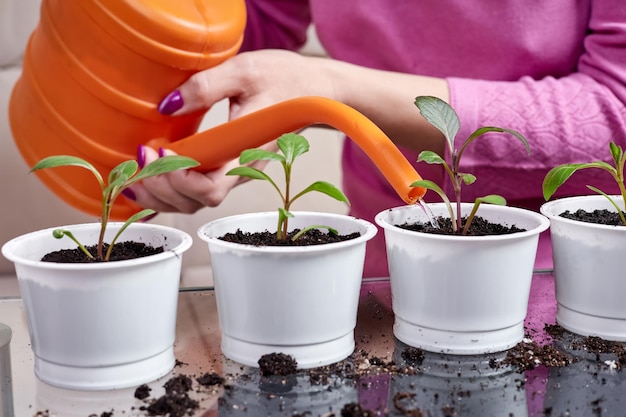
{"x":382,"y":376}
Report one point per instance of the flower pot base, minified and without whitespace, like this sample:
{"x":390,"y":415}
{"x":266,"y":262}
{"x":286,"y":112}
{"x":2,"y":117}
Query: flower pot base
{"x":105,"y":377}
{"x":607,"y":328}
{"x":458,"y":342}
{"x":307,"y":356}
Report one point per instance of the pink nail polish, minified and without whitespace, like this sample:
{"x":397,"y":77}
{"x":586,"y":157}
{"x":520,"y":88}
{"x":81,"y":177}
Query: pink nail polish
{"x":130,"y":194}
{"x":161,"y":152}
{"x":141,"y":156}
{"x":148,"y":218}
{"x":172,"y":102}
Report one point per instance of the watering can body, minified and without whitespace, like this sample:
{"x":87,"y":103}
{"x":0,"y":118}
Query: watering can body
{"x":94,"y":72}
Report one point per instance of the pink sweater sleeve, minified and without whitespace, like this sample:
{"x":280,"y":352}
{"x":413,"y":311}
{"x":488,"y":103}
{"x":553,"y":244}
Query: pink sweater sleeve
{"x":276,"y":24}
{"x":587,"y":108}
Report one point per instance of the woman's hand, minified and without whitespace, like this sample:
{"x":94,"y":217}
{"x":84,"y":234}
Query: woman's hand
{"x":182,"y":191}
{"x":251,"y":81}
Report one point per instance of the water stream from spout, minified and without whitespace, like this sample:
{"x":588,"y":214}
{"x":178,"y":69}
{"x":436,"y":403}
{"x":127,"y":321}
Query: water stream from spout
{"x":428,"y":212}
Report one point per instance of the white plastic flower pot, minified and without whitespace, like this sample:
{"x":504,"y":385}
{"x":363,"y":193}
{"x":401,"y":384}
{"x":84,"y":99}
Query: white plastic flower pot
{"x":588,"y":269}
{"x":297,"y":300}
{"x":460,"y":294}
{"x":100,"y":325}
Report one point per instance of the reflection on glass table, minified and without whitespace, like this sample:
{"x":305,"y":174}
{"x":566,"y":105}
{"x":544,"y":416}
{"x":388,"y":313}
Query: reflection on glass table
{"x":382,"y":377}
{"x":455,"y":385}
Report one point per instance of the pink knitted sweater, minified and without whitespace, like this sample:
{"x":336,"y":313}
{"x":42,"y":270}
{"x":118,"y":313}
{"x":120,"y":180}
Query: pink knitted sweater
{"x":554,"y":70}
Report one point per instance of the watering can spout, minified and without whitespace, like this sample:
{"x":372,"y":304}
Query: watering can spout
{"x":94,"y":71}
{"x":218,"y":145}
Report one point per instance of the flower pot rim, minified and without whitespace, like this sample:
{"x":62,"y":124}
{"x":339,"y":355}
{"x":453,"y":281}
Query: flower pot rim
{"x":370,"y":231}
{"x":547,"y":210}
{"x":544,"y":224}
{"x":186,"y":241}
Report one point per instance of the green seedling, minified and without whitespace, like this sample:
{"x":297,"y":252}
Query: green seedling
{"x":559,"y":174}
{"x":291,"y":146}
{"x":439,"y":114}
{"x":121,"y":177}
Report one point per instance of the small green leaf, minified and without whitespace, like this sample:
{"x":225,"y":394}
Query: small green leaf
{"x":481,"y":131}
{"x":325,"y":188}
{"x":430,"y":157}
{"x":439,"y":114}
{"x":123,"y":171}
{"x":559,"y":174}
{"x":60,"y":233}
{"x":493,"y":199}
{"x":67,"y":160}
{"x":61,"y":160}
{"x":467,"y":178}
{"x":251,"y":155}
{"x":164,"y":165}
{"x":616,"y":152}
{"x":311,"y":227}
{"x":285,"y":213}
{"x":429,"y":185}
{"x":249,"y":172}
{"x":292,"y":145}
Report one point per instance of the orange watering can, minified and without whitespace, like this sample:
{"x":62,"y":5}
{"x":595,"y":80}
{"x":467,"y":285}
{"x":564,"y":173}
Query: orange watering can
{"x":94,"y":72}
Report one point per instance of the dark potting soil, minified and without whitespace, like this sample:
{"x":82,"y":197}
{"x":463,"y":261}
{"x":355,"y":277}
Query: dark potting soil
{"x":277,"y":364}
{"x":176,"y":401}
{"x":267,"y":238}
{"x":479,"y":227}
{"x":121,"y":251}
{"x":606,"y":217}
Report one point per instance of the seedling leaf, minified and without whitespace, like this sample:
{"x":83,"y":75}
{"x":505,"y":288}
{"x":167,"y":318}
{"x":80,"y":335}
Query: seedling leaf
{"x":559,"y":174}
{"x":325,"y":188}
{"x":292,"y":146}
{"x":167,"y":163}
{"x":251,"y":155}
{"x":67,"y":160}
{"x":467,"y":178}
{"x":439,"y":114}
{"x":430,"y":157}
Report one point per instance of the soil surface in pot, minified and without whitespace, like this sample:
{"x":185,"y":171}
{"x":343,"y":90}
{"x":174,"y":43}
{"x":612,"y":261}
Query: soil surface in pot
{"x":479,"y":227}
{"x":266,"y":238}
{"x":121,"y":251}
{"x":606,"y":217}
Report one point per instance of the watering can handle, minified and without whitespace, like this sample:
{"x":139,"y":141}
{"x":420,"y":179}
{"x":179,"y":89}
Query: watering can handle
{"x":222,"y":143}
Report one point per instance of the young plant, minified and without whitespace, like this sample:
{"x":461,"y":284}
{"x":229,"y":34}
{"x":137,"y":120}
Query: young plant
{"x":291,"y":146}
{"x":559,"y":174}
{"x":121,"y":177}
{"x":439,"y":114}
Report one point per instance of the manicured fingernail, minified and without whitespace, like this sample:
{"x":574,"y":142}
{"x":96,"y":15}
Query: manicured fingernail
{"x":150,"y":217}
{"x":161,"y":152}
{"x":171,"y":103}
{"x":141,"y":156}
{"x":130,"y":194}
